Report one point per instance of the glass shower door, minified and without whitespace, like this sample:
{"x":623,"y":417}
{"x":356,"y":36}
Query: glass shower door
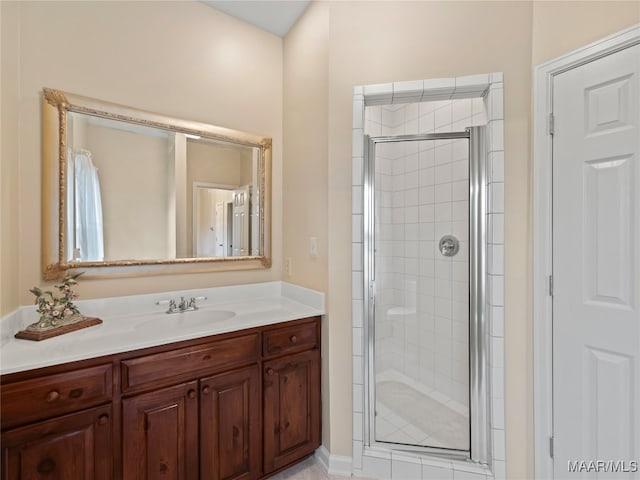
{"x":419,"y":269}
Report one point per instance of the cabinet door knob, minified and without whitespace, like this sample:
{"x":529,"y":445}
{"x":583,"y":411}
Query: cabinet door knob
{"x":269,"y":371}
{"x":191,"y":394}
{"x":103,"y":419}
{"x":46,"y":466}
{"x":53,"y":395}
{"x":293,"y":339}
{"x":206,"y":389}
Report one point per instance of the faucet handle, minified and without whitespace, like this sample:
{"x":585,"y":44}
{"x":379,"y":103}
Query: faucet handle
{"x":171,"y":303}
{"x":172,"y":306}
{"x":193,"y":300}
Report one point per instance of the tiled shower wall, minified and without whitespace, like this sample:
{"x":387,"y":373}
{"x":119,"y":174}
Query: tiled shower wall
{"x":385,"y":463}
{"x":422,"y":194}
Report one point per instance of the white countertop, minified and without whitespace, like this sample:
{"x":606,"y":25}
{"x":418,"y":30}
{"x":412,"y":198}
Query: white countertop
{"x":134,"y":322}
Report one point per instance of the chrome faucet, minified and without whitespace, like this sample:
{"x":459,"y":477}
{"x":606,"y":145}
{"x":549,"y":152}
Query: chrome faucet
{"x":183,"y":306}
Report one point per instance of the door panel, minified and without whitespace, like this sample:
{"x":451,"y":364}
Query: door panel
{"x":291,"y":408}
{"x":76,"y":446}
{"x":608,"y":221}
{"x":229,"y":425}
{"x":596,"y":264}
{"x":160,"y":434}
{"x":241,"y":201}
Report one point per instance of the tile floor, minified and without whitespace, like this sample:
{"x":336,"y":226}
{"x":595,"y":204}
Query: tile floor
{"x":310,"y":470}
{"x":437,"y":421}
{"x":406,"y":415}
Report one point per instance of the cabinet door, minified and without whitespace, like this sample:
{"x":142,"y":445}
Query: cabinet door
{"x":160,"y":434}
{"x":76,"y":446}
{"x":291,"y":408}
{"x":230,"y":425}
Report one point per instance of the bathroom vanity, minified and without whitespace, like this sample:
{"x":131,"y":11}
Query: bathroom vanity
{"x":227,"y":403}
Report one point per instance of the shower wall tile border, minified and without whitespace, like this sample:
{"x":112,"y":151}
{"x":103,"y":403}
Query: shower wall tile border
{"x":370,"y":461}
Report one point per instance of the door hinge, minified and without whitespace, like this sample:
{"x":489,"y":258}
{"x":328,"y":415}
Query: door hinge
{"x":551,"y":447}
{"x":551,"y":124}
{"x":551,"y":285}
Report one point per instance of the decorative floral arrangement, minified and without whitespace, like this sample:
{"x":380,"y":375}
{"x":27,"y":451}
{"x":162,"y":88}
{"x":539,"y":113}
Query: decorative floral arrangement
{"x":55,"y":310}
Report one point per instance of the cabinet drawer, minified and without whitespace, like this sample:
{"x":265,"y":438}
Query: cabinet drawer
{"x":290,"y":339}
{"x":51,"y":395}
{"x":190,"y":361}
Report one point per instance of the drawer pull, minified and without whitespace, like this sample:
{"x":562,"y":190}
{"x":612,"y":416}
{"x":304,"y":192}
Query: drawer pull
{"x":191,"y":394}
{"x":75,"y":393}
{"x":206,"y":390}
{"x":269,"y":371}
{"x":293,"y":339}
{"x":46,"y":466}
{"x":53,"y":395}
{"x":103,"y":419}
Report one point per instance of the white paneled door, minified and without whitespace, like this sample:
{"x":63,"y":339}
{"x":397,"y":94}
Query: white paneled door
{"x":596,"y":268}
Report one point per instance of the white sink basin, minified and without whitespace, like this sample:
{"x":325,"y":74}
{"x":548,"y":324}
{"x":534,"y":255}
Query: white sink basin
{"x":185,"y":320}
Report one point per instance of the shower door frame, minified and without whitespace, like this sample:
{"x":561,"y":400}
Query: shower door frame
{"x":479,"y":335}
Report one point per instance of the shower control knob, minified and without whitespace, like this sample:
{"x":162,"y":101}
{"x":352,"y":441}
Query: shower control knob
{"x":449,"y":245}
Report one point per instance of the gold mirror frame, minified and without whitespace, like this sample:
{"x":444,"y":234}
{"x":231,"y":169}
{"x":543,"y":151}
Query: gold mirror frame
{"x":56,"y":106}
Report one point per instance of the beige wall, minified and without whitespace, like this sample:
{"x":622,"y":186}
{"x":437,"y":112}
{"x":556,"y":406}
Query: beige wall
{"x":9,"y":166}
{"x":560,"y":27}
{"x":377,"y":42}
{"x":305,"y":159}
{"x":212,"y":163}
{"x":132,"y":171}
{"x":182,"y":59}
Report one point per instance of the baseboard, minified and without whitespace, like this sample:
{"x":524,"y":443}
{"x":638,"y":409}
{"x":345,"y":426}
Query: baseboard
{"x":333,"y":464}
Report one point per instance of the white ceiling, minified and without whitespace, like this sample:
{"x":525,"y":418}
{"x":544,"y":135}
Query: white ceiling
{"x":273,"y":16}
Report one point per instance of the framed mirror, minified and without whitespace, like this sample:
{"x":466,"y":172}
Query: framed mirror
{"x":127,"y":191}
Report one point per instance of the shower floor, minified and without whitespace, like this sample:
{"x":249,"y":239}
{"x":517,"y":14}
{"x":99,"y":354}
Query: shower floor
{"x":410,"y":413}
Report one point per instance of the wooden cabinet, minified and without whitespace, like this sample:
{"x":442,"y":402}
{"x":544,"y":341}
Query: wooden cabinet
{"x":291,"y":389}
{"x":76,"y":446}
{"x":237,"y":406}
{"x":291,"y":408}
{"x":230,"y":434}
{"x":49,"y":395}
{"x":213,"y":356}
{"x":176,"y":432}
{"x":160,"y":434}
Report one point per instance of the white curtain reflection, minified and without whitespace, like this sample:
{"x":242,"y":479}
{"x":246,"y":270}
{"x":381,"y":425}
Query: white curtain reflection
{"x":84,"y":210}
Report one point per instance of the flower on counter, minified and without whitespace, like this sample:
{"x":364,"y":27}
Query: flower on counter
{"x":54,"y":310}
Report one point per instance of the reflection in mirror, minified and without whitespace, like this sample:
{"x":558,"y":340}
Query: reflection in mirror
{"x":138,"y":192}
{"x":140,"y":189}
